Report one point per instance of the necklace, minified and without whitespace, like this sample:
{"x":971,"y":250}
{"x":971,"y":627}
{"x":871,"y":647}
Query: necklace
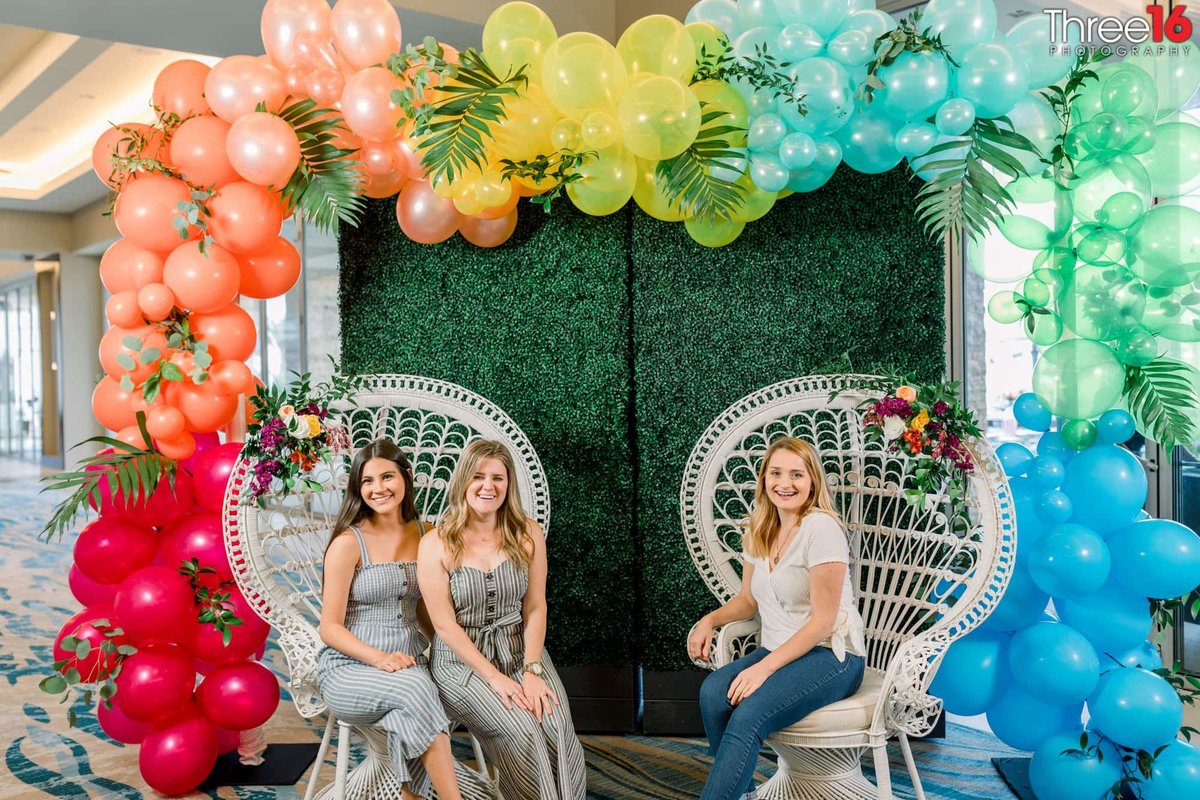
{"x":781,"y":545}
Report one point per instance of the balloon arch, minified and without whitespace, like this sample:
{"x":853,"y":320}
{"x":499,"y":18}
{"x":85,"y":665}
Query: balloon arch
{"x":708,"y":123}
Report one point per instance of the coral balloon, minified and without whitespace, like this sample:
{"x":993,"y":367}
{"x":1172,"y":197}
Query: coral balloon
{"x":239,"y":696}
{"x":198,"y":151}
{"x":380,"y":186}
{"x":488,"y":232}
{"x":111,"y":405}
{"x":367,"y":103}
{"x":270,"y":272}
{"x":87,"y":591}
{"x":229,"y":331}
{"x":164,"y":422}
{"x":263,"y":149}
{"x":365,"y":32}
{"x":424,"y":216}
{"x":231,"y":377}
{"x":282,"y":20}
{"x":109,"y":549}
{"x":152,"y":605}
{"x":245,"y":217}
{"x":206,"y":643}
{"x":211,"y":474}
{"x":119,"y":140}
{"x":156,"y":301}
{"x":378,"y":158}
{"x":236,"y":85}
{"x":197,"y":536}
{"x":177,"y":755}
{"x":125,"y":266}
{"x":119,"y":726}
{"x":204,"y":408}
{"x":118,"y":359}
{"x":95,"y":665}
{"x":202,"y":281}
{"x":178,"y":448}
{"x":179,"y":89}
{"x":122,"y":309}
{"x":146,"y":210}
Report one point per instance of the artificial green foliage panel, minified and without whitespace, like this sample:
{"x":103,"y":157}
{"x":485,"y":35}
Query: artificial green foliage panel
{"x":835,"y":280}
{"x":540,"y":326}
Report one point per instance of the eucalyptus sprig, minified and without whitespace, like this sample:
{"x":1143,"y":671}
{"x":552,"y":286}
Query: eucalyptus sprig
{"x":101,"y":681}
{"x":215,"y":605}
{"x":687,"y":180}
{"x":908,"y":37}
{"x":179,"y":336}
{"x":327,"y":185}
{"x":1061,"y":165}
{"x":194,"y":214}
{"x":561,"y":168}
{"x":762,"y":71}
{"x":1162,"y":397}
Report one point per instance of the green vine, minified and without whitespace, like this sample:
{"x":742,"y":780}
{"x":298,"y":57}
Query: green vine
{"x":101,"y":681}
{"x":1161,"y":396}
{"x":907,"y":36}
{"x":194,"y":214}
{"x":688,"y":181}
{"x":326,"y":186}
{"x":1061,"y":163}
{"x":761,"y":71}
{"x":561,"y":168}
{"x":177,"y":330}
{"x":215,"y":604}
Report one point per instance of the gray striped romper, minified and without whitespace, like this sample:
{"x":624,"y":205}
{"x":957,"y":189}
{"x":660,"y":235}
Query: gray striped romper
{"x":382,"y":612}
{"x":534,"y":761}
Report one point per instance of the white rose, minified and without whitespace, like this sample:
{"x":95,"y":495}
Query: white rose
{"x":297,"y":427}
{"x":893,"y":427}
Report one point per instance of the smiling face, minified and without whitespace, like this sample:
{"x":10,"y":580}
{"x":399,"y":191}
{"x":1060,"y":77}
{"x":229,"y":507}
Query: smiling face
{"x":382,"y":485}
{"x":787,"y":481}
{"x":488,"y":487}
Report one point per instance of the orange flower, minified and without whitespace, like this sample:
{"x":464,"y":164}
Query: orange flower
{"x":906,"y":393}
{"x":305,"y":461}
{"x":314,"y":424}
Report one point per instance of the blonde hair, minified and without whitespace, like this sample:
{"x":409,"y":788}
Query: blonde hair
{"x":763,"y":525}
{"x":515,"y":540}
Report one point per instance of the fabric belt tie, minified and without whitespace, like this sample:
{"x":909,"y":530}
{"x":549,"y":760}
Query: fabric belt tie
{"x":492,"y":641}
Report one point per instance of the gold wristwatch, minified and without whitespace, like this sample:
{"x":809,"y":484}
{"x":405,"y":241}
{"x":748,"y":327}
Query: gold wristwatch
{"x":534,"y":667}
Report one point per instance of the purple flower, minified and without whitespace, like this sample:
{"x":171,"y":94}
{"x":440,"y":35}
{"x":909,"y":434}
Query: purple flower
{"x":894,"y":407}
{"x":941,"y":408}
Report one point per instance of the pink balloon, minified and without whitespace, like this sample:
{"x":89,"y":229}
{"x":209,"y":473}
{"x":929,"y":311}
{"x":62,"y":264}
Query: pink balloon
{"x":95,"y":665}
{"x":408,"y":157}
{"x":178,"y":754}
{"x":163,"y":505}
{"x":245,"y":218}
{"x":387,"y":185}
{"x":239,"y":696}
{"x":423,"y":216}
{"x":367,"y":103}
{"x":365,"y":32}
{"x":197,"y":536}
{"x":155,"y":682}
{"x":263,"y":149}
{"x":179,"y":89}
{"x":314,"y":52}
{"x":207,"y":645}
{"x":155,"y":604}
{"x":325,"y":86}
{"x":119,"y":726}
{"x":212,"y":474}
{"x":204,"y":443}
{"x":87,"y":591}
{"x":283,"y":19}
{"x":379,"y":158}
{"x":146,"y":209}
{"x":227,"y":741}
{"x":109,"y":549}
{"x":239,"y":83}
{"x":198,"y":150}
{"x":489,"y":232}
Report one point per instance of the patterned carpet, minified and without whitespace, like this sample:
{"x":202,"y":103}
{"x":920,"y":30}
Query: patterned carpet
{"x":42,"y":757}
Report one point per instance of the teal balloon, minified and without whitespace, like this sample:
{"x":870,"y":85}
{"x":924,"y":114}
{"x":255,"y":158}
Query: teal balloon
{"x":974,"y":673}
{"x":1115,"y":426}
{"x":1048,"y":472}
{"x":1024,"y":722}
{"x":797,"y":42}
{"x":829,"y":153}
{"x":1054,"y":507}
{"x":766,"y":133}
{"x":1175,"y":774}
{"x":809,"y":179}
{"x":1156,"y":558}
{"x":823,"y":15}
{"x":1167,"y":246}
{"x":1137,"y":347}
{"x":868,"y":20}
{"x":955,"y":116}
{"x":1030,"y":413}
{"x":916,"y":138}
{"x":1053,"y":663}
{"x":993,"y":78}
{"x":1015,"y":459}
{"x":1173,"y":164}
{"x":1136,"y":709}
{"x":1030,"y":39}
{"x":828,"y":95}
{"x":1144,"y":656}
{"x":1069,"y":559}
{"x":757,"y":13}
{"x":1123,"y":174}
{"x":1108,"y":486}
{"x":1112,"y":618}
{"x":797,"y":151}
{"x":1102,"y":303}
{"x":1051,"y":444}
{"x":767,"y":173}
{"x":1054,"y":773}
{"x":869,"y":141}
{"x":1033,"y":118}
{"x":753,"y":39}
{"x":962,"y":24}
{"x":1078,"y":378}
{"x":851,"y":48}
{"x":914,"y":85}
{"x":1121,"y":211}
{"x":721,"y":13}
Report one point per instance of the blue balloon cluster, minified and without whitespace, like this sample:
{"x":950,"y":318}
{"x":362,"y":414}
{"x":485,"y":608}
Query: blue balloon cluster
{"x":1072,"y":627}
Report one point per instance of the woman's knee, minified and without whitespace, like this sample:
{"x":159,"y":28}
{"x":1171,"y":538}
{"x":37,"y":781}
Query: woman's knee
{"x":714,"y":691}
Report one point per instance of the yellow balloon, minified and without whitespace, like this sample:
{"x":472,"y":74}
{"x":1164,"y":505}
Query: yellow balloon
{"x":649,"y":196}
{"x":607,"y":182}
{"x":757,"y":202}
{"x":566,"y":134}
{"x":581,"y":72}
{"x":659,"y":117}
{"x":467,"y":202}
{"x":463,"y":181}
{"x":658,"y":44}
{"x":492,"y":189}
{"x":714,"y":232}
{"x":717,"y":95}
{"x":517,"y":34}
{"x":525,"y":131}
{"x":709,"y":41}
{"x":599,"y":130}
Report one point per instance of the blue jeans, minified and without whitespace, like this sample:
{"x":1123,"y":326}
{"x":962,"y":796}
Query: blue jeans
{"x":736,"y":733}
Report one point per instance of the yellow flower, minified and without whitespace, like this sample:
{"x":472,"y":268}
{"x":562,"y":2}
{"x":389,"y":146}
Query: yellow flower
{"x":920,"y":421}
{"x":906,"y":393}
{"x":314,"y":424}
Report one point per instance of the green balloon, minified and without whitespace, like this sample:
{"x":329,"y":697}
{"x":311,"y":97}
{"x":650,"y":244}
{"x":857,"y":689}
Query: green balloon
{"x":1141,"y":136}
{"x":1059,"y":259}
{"x":1173,"y":314}
{"x":1098,"y":245}
{"x":1036,"y":293}
{"x":1173,"y":164}
{"x":1079,"y":434}
{"x":1004,"y":309}
{"x":1044,"y":329}
{"x":1168,"y":246}
{"x":1121,"y":211}
{"x":1026,"y":232}
{"x":1107,"y":131}
{"x":1123,"y":174}
{"x":1078,"y":378}
{"x":1137,"y":347}
{"x":1175,"y":75}
{"x":1051,"y":279}
{"x":1102,"y":302}
{"x":1128,"y":90}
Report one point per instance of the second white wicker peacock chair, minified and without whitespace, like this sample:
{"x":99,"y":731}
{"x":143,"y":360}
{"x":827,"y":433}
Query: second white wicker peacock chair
{"x":276,"y":550}
{"x":920,"y":585}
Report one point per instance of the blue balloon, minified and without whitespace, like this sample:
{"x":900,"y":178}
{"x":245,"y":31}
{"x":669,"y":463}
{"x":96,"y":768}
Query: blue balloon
{"x":1135,"y":708}
{"x":955,"y":117}
{"x":1014,"y":458}
{"x":1176,"y":774}
{"x":1048,"y":472}
{"x":722,"y":13}
{"x":1115,"y":426}
{"x":1054,"y":663}
{"x":824,"y":16}
{"x":766,"y":133}
{"x":828,"y":94}
{"x":869,"y":141}
{"x":797,"y":42}
{"x":1054,"y":507}
{"x":756,"y":13}
{"x":767,"y":173}
{"x":1073,"y":777}
{"x":1108,"y":487}
{"x":1030,"y":413}
{"x":1156,"y":558}
{"x":1069,"y":560}
{"x":916,"y":138}
{"x":1051,"y":444}
{"x":1022,"y":604}
{"x":973,"y":673}
{"x":1112,"y":618}
{"x":992,"y":77}
{"x":914,"y":85}
{"x":1144,"y":656}
{"x":808,"y":180}
{"x":797,"y":151}
{"x":1024,"y":722}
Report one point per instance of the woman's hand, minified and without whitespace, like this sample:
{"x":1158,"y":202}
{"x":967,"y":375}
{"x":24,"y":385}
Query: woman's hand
{"x":700,"y":640}
{"x":747,"y":681}
{"x":509,"y":690}
{"x":539,"y":695}
{"x":390,"y":662}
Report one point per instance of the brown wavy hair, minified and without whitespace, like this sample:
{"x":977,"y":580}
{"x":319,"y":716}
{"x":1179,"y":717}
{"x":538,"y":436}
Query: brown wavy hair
{"x":763,"y":525}
{"x":515,"y":540}
{"x":354,"y":510}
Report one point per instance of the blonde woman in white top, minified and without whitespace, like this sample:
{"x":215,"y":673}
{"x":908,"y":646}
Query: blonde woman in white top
{"x":796,"y":578}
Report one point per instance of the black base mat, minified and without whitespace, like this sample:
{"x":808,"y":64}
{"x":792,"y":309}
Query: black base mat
{"x":283,"y":766}
{"x":1015,"y":772}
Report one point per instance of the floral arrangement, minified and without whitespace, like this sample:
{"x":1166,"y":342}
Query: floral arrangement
{"x":291,"y":433}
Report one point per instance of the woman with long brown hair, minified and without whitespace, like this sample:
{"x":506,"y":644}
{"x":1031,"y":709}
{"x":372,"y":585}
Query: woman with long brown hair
{"x":483,"y":575}
{"x":796,"y":577}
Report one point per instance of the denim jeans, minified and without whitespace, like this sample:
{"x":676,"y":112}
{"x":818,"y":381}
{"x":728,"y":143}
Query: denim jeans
{"x":736,"y":733}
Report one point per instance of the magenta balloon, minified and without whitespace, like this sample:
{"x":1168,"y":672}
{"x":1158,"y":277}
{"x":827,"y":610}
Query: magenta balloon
{"x":204,"y":443}
{"x":227,"y":741}
{"x":155,"y":604}
{"x":237,"y":84}
{"x":207,"y":644}
{"x":283,"y":19}
{"x":155,"y":682}
{"x":162,"y":506}
{"x":263,"y":149}
{"x":211,"y":474}
{"x":424,"y":216}
{"x":120,"y":726}
{"x":110,"y":549}
{"x":239,"y":696}
{"x":177,"y":755}
{"x":367,"y":103}
{"x":87,"y":591}
{"x":95,"y":665}
{"x":365,"y":32}
{"x":197,"y":536}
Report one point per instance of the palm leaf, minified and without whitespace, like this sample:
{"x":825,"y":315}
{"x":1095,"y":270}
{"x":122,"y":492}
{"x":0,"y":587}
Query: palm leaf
{"x":1162,"y":397}
{"x":687,"y":179}
{"x":326,"y":186}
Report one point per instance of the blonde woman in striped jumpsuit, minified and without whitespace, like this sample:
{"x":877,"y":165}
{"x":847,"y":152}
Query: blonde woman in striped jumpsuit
{"x":372,"y":670}
{"x":483,"y":575}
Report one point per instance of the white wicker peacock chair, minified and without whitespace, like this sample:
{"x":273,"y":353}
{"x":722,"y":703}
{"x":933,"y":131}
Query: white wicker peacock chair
{"x":920,"y":585}
{"x":276,"y":551}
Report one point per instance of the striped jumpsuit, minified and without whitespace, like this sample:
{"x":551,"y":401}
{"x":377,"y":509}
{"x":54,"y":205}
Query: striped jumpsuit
{"x":382,"y":612}
{"x":534,"y":761}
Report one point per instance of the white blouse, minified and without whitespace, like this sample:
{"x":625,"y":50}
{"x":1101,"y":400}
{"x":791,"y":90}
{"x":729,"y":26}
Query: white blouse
{"x":783,"y":595}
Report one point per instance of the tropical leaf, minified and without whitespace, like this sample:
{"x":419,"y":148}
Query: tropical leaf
{"x":560,"y":168}
{"x":326,"y":187}
{"x":1162,"y":397}
{"x":687,"y":180}
{"x":761,"y":71}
